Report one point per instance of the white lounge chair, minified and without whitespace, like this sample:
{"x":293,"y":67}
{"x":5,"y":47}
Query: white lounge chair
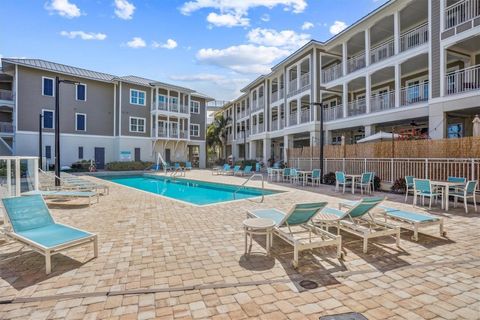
{"x":62,"y":194}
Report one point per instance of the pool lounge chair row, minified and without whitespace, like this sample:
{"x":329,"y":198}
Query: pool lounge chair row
{"x":227,"y":170}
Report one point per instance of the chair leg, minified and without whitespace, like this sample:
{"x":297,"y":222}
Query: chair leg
{"x":365,"y":245}
{"x":48,"y":262}
{"x":430,"y":203}
{"x":406,"y":195}
{"x":95,"y":247}
{"x":466,"y":204}
{"x":295,"y":256}
{"x":474,"y":203}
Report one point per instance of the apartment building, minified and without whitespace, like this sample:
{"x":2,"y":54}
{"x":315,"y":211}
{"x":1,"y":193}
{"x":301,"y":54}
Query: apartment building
{"x":411,"y":67}
{"x":102,"y":117}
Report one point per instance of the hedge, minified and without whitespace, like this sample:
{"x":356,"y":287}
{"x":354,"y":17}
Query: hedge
{"x":128,"y":165}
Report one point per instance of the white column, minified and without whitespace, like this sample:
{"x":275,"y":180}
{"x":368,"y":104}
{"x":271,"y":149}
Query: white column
{"x":313,"y":97}
{"x":285,"y":147}
{"x":398,"y":84}
{"x":252,"y":146}
{"x":299,"y":107}
{"x":344,"y":57}
{"x":368,"y":92}
{"x":120,"y":94}
{"x":168,"y":126}
{"x":345,"y":99}
{"x":267,"y":150}
{"x":367,"y":46}
{"x":298,"y":75}
{"x":156,"y":113}
{"x":369,"y":130}
{"x":168,"y":99}
{"x":396,"y":31}
{"x":178,"y":126}
{"x":287,"y":114}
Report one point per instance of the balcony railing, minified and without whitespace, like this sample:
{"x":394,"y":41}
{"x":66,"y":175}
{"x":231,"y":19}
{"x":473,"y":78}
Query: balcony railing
{"x":173,"y":133}
{"x":333,"y":113}
{"x":173,"y":107}
{"x":292,"y":120}
{"x":162,"y":133}
{"x":357,"y":107}
{"x":382,"y":51}
{"x":292,"y":86}
{"x":6,"y":95}
{"x":460,"y":12}
{"x":306,"y":115}
{"x":332,"y":73}
{"x":464,"y":80}
{"x":414,"y":94}
{"x":229,"y":137}
{"x":414,"y":38}
{"x":6,"y":127}
{"x":305,"y":80}
{"x":183,"y":108}
{"x":356,"y":63}
{"x":258,"y":104}
{"x":382,"y":102}
{"x":274,"y":124}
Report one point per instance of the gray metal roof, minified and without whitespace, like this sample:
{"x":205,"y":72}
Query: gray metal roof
{"x":136,"y":80}
{"x":60,"y":68}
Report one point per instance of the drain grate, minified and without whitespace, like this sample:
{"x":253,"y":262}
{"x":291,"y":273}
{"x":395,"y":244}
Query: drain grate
{"x":308,"y":284}
{"x":345,"y":316}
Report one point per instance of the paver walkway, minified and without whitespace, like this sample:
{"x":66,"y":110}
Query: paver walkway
{"x":190,"y":261}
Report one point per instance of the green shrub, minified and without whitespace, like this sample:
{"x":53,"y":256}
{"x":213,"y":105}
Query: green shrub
{"x":128,"y":165}
{"x":80,"y":166}
{"x":376,"y":183}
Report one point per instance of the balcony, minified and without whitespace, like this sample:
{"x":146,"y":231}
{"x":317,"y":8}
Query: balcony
{"x":462,"y":81}
{"x":332,"y":73}
{"x":356,"y":63}
{"x":274,"y":124}
{"x":414,"y":38}
{"x":173,"y":107}
{"x":414,"y":94}
{"x":292,"y":86}
{"x":172,"y":133}
{"x":306,"y":116}
{"x":259,"y":128}
{"x":258,"y":104}
{"x":460,"y":12}
{"x":382,"y":102}
{"x":333,"y":113}
{"x":292,"y":120}
{"x":229,"y":137}
{"x":6,"y":95}
{"x":6,"y":127}
{"x":357,"y":107}
{"x":277,"y":95}
{"x":241,"y":134}
{"x":382,"y":51}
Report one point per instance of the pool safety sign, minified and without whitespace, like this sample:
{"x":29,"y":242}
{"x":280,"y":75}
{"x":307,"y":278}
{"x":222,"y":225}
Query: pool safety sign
{"x":125,"y":156}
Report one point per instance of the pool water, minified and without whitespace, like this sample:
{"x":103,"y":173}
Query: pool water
{"x":191,"y":191}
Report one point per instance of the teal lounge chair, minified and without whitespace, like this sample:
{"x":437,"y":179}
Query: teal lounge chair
{"x":188,"y":165}
{"x":235,"y":170}
{"x":359,"y":221}
{"x":297,"y":229}
{"x":28,"y":220}
{"x":247,"y":170}
{"x":221,"y":170}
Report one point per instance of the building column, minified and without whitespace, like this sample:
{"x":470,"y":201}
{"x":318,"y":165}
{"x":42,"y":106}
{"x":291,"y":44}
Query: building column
{"x":345,"y":99}
{"x":328,"y":137}
{"x":437,"y":123}
{"x":367,"y":47}
{"x":314,"y":138}
{"x":267,"y":150}
{"x":168,"y":99}
{"x":252,"y":146}
{"x":368,"y":92}
{"x":168,"y":126}
{"x":396,"y":31}
{"x":286,"y":145}
{"x":298,"y":75}
{"x":344,"y":58}
{"x":299,"y":108}
{"x":369,"y":130}
{"x":202,"y":155}
{"x":398,"y":84}
{"x":156,"y":113}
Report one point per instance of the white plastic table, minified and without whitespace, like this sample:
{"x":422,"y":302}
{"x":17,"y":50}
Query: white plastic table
{"x":353,"y":177}
{"x":260,"y":226}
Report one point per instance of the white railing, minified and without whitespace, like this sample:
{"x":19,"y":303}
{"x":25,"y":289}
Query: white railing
{"x":275,"y":96}
{"x":6,"y":127}
{"x":183,"y":108}
{"x":414,"y":38}
{"x":260,"y":127}
{"x":464,"y":80}
{"x":19,"y":174}
{"x":357,"y":107}
{"x":292,"y":86}
{"x":292,"y":120}
{"x":381,"y":102}
{"x":162,"y":132}
{"x":414,"y":94}
{"x":356,"y":63}
{"x":229,"y":137}
{"x":281,"y":124}
{"x":332,"y":73}
{"x":333,"y":113}
{"x":6,"y":95}
{"x":261,"y":103}
{"x":391,"y":169}
{"x":304,"y":80}
{"x":174,"y":107}
{"x":460,"y":12}
{"x":274,"y":124}
{"x":382,"y":51}
{"x":305,"y":116}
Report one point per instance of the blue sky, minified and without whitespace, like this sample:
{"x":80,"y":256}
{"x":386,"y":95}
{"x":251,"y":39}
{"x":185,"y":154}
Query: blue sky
{"x":213,"y":46}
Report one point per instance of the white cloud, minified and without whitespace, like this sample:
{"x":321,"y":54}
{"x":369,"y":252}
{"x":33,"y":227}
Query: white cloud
{"x":287,"y":39}
{"x":170,"y":44}
{"x":84,"y":35}
{"x":265,"y":17}
{"x":246,"y":58}
{"x":337,"y":27}
{"x":227,"y":20}
{"x":63,"y":8}
{"x":124,"y":9}
{"x":136,"y":43}
{"x":242,"y":6}
{"x":307,"y":25}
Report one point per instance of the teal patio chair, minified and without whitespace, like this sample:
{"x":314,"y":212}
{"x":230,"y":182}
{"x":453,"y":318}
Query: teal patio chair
{"x":359,"y":221}
{"x":286,"y":174}
{"x":29,"y":221}
{"x":409,"y":186}
{"x":423,"y":188}
{"x":270,"y":174}
{"x":315,"y":178}
{"x":466,"y":193}
{"x":188,"y":165}
{"x":294,"y":176}
{"x":235,"y":170}
{"x":341,"y":180}
{"x":297,"y":229}
{"x":258,"y":167}
{"x":245,"y":171}
{"x":366,"y":182}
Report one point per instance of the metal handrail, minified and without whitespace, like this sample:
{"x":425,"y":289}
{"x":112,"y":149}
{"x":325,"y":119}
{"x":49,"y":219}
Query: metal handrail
{"x":242,"y":186}
{"x":174,"y":173}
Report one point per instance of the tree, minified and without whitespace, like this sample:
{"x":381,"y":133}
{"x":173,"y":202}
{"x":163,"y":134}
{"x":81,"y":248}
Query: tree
{"x":217,"y":134}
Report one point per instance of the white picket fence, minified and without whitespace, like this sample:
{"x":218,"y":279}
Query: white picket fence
{"x":391,"y":169}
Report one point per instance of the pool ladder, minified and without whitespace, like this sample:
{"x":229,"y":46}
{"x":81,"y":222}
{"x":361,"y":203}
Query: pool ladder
{"x":242,"y":186}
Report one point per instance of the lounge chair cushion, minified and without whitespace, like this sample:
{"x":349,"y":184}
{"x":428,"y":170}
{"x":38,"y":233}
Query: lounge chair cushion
{"x":338,"y":213}
{"x":411,"y":216}
{"x":274,"y":214}
{"x":53,"y":235}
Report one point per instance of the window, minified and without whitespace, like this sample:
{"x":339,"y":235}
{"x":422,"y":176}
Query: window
{"x":137,"y":124}
{"x":195,"y":130}
{"x":194,"y":106}
{"x":48,"y":117}
{"x":81,"y":92}
{"x":80,"y":122}
{"x":80,"y":153}
{"x":47,"y":87}
{"x":48,"y":152}
{"x":137,"y":97}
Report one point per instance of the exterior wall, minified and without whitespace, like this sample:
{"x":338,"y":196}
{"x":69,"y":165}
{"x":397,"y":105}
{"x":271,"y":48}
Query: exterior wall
{"x":130,"y":143}
{"x":435,"y":64}
{"x":199,"y":118}
{"x":98,"y":107}
{"x":133,"y":110}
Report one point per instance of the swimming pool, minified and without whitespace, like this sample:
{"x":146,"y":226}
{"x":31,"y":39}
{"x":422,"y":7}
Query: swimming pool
{"x":191,"y":191}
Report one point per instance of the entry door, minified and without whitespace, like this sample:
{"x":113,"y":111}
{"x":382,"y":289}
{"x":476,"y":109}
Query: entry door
{"x":137,"y":154}
{"x":100,"y":158}
{"x":167,"y":155}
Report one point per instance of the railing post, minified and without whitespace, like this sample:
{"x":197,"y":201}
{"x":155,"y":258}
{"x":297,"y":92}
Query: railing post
{"x":17,"y":177}
{"x":365,"y":165}
{"x":426,"y":168}
{"x":473,"y":169}
{"x":343,"y":165}
{"x":391,"y":170}
{"x":35,"y":169}
{"x":9,"y":177}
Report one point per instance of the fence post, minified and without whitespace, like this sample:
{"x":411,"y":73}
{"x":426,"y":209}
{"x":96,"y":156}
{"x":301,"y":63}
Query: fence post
{"x":35,"y":174}
{"x":365,"y":165}
{"x":391,"y":171}
{"x":311,"y":163}
{"x":324,"y":166}
{"x":426,"y":168}
{"x":343,"y":165}
{"x":473,"y":169}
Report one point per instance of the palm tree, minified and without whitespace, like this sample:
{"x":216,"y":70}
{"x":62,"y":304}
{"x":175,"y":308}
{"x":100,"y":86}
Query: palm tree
{"x":217,"y":133}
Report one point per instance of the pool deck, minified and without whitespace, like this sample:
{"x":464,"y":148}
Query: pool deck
{"x":190,"y":260}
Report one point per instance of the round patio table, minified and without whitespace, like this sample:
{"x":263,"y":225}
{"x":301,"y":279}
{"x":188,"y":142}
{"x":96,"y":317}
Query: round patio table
{"x":260,"y":226}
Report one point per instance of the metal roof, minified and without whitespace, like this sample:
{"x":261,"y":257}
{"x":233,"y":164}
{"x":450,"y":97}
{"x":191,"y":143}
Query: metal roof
{"x":135,"y":80}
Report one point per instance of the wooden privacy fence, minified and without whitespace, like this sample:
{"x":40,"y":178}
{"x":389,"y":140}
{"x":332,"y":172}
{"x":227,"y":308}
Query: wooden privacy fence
{"x":468,"y":147}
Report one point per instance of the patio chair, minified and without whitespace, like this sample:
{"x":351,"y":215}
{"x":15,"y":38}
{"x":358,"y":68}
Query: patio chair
{"x":372,"y":181}
{"x":341,"y":180}
{"x":294,"y":176}
{"x":466,"y":193}
{"x":188,"y":165}
{"x":245,"y":171}
{"x":233,"y":171}
{"x":258,"y":167}
{"x":286,"y":174}
{"x":270,"y":174}
{"x":315,"y":178}
{"x":359,"y":221}
{"x":409,"y":186}
{"x":366,"y":182}
{"x":296,"y":228}
{"x":176,"y":166}
{"x":28,"y":220}
{"x":423,"y":188}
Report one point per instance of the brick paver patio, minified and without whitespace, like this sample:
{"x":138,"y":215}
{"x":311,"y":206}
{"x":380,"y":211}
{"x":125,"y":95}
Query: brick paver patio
{"x":159,"y":258}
